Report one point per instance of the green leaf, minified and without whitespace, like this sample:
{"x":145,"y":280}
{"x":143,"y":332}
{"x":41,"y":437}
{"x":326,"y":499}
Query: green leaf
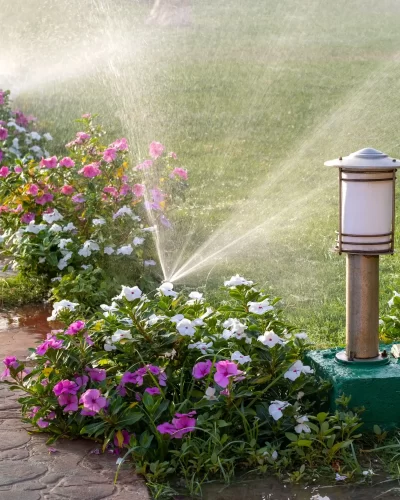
{"x":339,"y":446}
{"x":93,"y":428}
{"x":129,"y":418}
{"x":222,"y":423}
{"x":304,"y":442}
{"x":377,"y":430}
{"x":291,"y":436}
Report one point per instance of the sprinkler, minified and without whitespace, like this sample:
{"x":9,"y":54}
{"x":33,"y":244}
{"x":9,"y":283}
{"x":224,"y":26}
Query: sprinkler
{"x":366,"y":230}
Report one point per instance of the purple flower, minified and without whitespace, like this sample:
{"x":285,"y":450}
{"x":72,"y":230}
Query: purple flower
{"x":154,"y":391}
{"x":3,"y":134}
{"x":109,"y":155}
{"x":50,"y":343}
{"x":42,"y":423}
{"x":9,"y":362}
{"x":89,"y":340}
{"x":46,"y":198}
{"x":88,"y":413}
{"x":76,"y":327}
{"x":96,"y":374}
{"x":27,"y":218}
{"x":70,"y":401}
{"x":126,"y":437}
{"x":202,"y":369}
{"x":51,"y":415}
{"x":78,"y":198}
{"x":65,"y":387}
{"x":225,"y":370}
{"x":162,"y":379}
{"x":121,"y":390}
{"x":181,"y":425}
{"x":93,"y":400}
{"x":81,"y":381}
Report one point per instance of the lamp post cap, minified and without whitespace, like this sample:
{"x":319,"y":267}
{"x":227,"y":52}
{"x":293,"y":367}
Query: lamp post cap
{"x":365,"y":159}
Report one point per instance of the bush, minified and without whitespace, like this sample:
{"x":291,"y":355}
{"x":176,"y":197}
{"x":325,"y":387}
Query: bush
{"x":186,"y":389}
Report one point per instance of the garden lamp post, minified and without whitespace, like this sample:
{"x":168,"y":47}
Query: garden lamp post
{"x":366,"y":230}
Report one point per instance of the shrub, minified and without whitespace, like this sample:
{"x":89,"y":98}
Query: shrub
{"x":184,"y":388}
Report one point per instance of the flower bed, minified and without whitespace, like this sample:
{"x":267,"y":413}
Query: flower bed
{"x":186,"y":389}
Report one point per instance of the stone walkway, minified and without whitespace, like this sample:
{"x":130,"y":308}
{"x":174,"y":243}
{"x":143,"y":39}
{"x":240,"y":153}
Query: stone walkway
{"x":29,"y":471}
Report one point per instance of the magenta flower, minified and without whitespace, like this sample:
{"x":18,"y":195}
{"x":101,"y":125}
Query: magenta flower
{"x":4,"y":171}
{"x":111,"y":190}
{"x":67,"y":190}
{"x":50,"y":343}
{"x":202,"y":369}
{"x":78,"y":198}
{"x":76,"y":327}
{"x":32,"y":413}
{"x":96,"y":374}
{"x":65,"y":387}
{"x":125,"y":189}
{"x":51,"y":415}
{"x":3,"y":134}
{"x":18,"y":170}
{"x":27,"y":218}
{"x":89,"y":340}
{"x":91,"y":170}
{"x":173,"y":155}
{"x":49,"y":162}
{"x":156,"y":149}
{"x":162,"y":379}
{"x":225,"y":370}
{"x":45,"y":198}
{"x":120,"y":144}
{"x":93,"y":400}
{"x":67,"y":162}
{"x":33,"y":189}
{"x":81,"y":137}
{"x":139,"y":190}
{"x":109,"y":155}
{"x":155,"y":370}
{"x":9,"y":362}
{"x":154,"y":391}
{"x":81,"y":381}
{"x":121,"y":390}
{"x":180,"y":172}
{"x":144,"y":166}
{"x":42,"y":423}
{"x":126,"y":437}
{"x":70,"y":401}
{"x":88,"y":413}
{"x":181,"y":425}
{"x":166,"y":428}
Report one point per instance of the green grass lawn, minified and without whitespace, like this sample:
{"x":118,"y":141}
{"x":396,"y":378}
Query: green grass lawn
{"x":253,"y":97}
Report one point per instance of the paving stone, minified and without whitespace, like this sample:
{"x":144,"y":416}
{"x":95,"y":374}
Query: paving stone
{"x":93,"y":487}
{"x":15,"y":472}
{"x":20,"y":495}
{"x":51,"y":478}
{"x":30,"y":485}
{"x":14,"y":454}
{"x":9,"y":439}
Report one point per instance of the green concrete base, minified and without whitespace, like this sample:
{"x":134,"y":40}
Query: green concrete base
{"x":376,"y":388}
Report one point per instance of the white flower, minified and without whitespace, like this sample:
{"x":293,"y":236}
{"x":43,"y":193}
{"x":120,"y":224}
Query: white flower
{"x":37,"y":150}
{"x":368,"y":472}
{"x":125,"y":250}
{"x":270,"y":339}
{"x":237,"y":281}
{"x":196,"y":298}
{"x":301,"y":426}
{"x":109,"y":346}
{"x":208,"y":313}
{"x":185,"y":327}
{"x":98,"y":222}
{"x":109,"y":250}
{"x":276,"y":408}
{"x":121,"y":334}
{"x":35,"y":228}
{"x":233,"y":327}
{"x":42,"y":260}
{"x":296,"y":370}
{"x":91,"y":245}
{"x":14,"y":151}
{"x":339,"y":477}
{"x":28,"y":141}
{"x":33,"y":356}
{"x":274,"y":455}
{"x":260,"y":307}
{"x":47,"y":136}
{"x":62,"y":263}
{"x":57,"y":278}
{"x":127,"y":321}
{"x":301,"y":335}
{"x":137,"y":241}
{"x":198,"y":322}
{"x":391,"y":301}
{"x":69,"y":227}
{"x":54,"y":216}
{"x":167,"y":290}
{"x":64,"y":242}
{"x":84,"y":266}
{"x":35,"y":136}
{"x":176,"y":318}
{"x":109,"y":309}
{"x":210,"y":394}
{"x":170,"y":354}
{"x":300,"y":394}
{"x":55,"y":228}
{"x":59,"y":306}
{"x":122,"y":211}
{"x":150,"y":229}
{"x":318,"y":497}
{"x":130,"y":293}
{"x":150,"y":262}
{"x":202,"y":346}
{"x":153,"y":319}
{"x":240,"y":358}
{"x":15,"y":143}
{"x":84,"y":252}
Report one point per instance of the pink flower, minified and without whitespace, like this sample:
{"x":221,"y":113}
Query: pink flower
{"x":78,"y":198}
{"x":126,"y":437}
{"x":121,"y":390}
{"x":173,"y":155}
{"x":70,"y":401}
{"x":154,"y":391}
{"x":42,"y":423}
{"x":96,"y":374}
{"x":9,"y":362}
{"x":88,"y":413}
{"x":4,"y":171}
{"x":50,"y":343}
{"x":27,"y":218}
{"x":181,"y":425}
{"x":162,"y":379}
{"x":225,"y":370}
{"x":91,"y":170}
{"x":33,"y":189}
{"x":45,"y":198}
{"x":1,"y":97}
{"x":49,"y":162}
{"x":139,"y":190}
{"x":202,"y":369}
{"x":76,"y":327}
{"x":67,"y":162}
{"x":81,"y":381}
{"x":81,"y":137}
{"x":51,"y":415}
{"x":109,"y":155}
{"x":87,"y":116}
{"x":130,"y":378}
{"x":65,"y":387}
{"x":3,"y":134}
{"x":144,"y":166}
{"x":156,"y":149}
{"x":111,"y":190}
{"x":125,"y":189}
{"x":166,"y":428}
{"x":88,"y":340}
{"x":181,"y":172}
{"x":93,"y":400}
{"x":120,"y":144}
{"x":18,"y":170}
{"x":67,"y":190}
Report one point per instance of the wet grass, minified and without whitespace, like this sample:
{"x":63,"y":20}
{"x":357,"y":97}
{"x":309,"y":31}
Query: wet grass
{"x":19,"y":290}
{"x":249,"y":87}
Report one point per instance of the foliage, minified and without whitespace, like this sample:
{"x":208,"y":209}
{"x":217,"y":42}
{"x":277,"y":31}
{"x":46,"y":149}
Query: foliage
{"x":390,"y":322}
{"x":184,"y":388}
{"x":88,"y":210}
{"x":19,"y":290}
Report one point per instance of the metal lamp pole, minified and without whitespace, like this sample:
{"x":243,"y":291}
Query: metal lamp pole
{"x":366,"y":230}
